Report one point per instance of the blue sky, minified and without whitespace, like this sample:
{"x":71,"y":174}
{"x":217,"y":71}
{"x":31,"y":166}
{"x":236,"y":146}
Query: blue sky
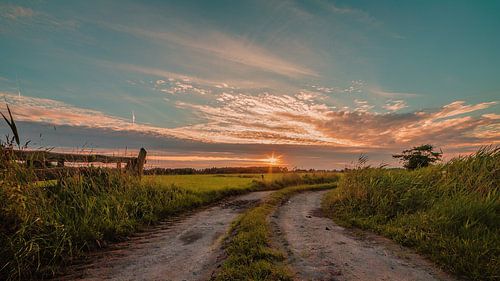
{"x":251,"y":77}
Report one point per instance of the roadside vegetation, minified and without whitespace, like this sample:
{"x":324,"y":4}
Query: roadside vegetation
{"x":47,"y":224}
{"x":250,"y":255}
{"x":450,"y":212}
{"x":44,"y":225}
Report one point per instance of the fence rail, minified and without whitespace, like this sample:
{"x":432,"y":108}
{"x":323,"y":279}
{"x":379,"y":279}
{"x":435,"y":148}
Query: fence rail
{"x":49,"y":156}
{"x":42,"y":160}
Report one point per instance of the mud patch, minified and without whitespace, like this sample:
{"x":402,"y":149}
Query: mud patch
{"x":317,"y":212}
{"x":190,"y":237}
{"x":240,"y":204}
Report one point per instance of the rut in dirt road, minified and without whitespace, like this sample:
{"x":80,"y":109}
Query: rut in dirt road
{"x":318,"y":249}
{"x":184,"y":250}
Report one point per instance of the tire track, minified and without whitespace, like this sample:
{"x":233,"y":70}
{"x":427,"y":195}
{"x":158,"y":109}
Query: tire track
{"x":184,"y":248}
{"x":318,"y":249}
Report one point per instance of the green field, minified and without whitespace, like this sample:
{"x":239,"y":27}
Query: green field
{"x":449,"y":212}
{"x":211,"y":182}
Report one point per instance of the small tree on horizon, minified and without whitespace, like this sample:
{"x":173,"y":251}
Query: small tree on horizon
{"x":419,"y":156}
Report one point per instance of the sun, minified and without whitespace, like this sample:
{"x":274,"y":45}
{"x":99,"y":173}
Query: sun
{"x":273,"y":160}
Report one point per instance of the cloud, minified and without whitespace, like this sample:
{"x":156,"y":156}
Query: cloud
{"x":14,"y":15}
{"x":357,"y":14}
{"x":198,"y":158}
{"x":291,"y":120}
{"x":307,"y":96}
{"x":29,"y":109}
{"x":459,"y":107}
{"x":237,"y":118}
{"x":382,"y":93}
{"x":179,"y":86}
{"x":221,"y":46}
{"x":266,"y":118}
{"x":492,"y":116}
{"x":286,"y":119}
{"x":205,"y":83}
{"x":356,"y":86}
{"x":363,"y":106}
{"x":395,"y":105}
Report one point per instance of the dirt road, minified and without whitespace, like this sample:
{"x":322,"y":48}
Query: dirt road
{"x":318,"y":249}
{"x":184,"y":249}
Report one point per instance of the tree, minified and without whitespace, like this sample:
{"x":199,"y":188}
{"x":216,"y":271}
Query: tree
{"x":418,"y":157}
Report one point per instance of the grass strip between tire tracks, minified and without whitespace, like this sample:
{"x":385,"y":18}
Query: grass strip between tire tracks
{"x":250,"y":255}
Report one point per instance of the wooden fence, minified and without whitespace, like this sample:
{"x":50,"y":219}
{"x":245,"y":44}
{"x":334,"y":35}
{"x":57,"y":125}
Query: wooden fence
{"x":42,"y":161}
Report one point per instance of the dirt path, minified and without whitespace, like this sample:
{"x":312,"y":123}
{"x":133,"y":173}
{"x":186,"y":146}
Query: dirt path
{"x":184,"y":249}
{"x":318,"y":249}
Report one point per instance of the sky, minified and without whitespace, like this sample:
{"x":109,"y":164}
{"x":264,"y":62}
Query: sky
{"x":228,"y":83}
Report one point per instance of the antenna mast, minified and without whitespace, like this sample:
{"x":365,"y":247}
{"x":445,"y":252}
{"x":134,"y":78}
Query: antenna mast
{"x":18,"y":86}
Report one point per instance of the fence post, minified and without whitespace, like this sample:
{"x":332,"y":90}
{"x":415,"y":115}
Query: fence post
{"x":136,"y":165}
{"x":141,"y":160}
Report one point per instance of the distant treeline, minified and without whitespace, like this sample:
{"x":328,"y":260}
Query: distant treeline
{"x":226,"y":170}
{"x":214,"y":170}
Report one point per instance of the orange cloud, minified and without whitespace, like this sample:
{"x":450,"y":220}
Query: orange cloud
{"x":287,"y":119}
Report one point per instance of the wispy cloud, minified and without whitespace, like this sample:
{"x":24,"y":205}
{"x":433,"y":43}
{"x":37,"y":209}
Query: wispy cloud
{"x":459,"y":107}
{"x":492,"y":116}
{"x":357,"y":14}
{"x":15,"y":15}
{"x":179,"y":86}
{"x":234,"y":49}
{"x":387,"y":94}
{"x":203,"y":83}
{"x":356,"y":86}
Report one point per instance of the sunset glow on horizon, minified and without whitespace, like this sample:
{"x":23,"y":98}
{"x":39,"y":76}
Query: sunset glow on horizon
{"x":273,"y":160}
{"x":309,"y":84}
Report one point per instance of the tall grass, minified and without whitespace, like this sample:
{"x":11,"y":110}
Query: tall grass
{"x":44,"y":225}
{"x":449,"y":212}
